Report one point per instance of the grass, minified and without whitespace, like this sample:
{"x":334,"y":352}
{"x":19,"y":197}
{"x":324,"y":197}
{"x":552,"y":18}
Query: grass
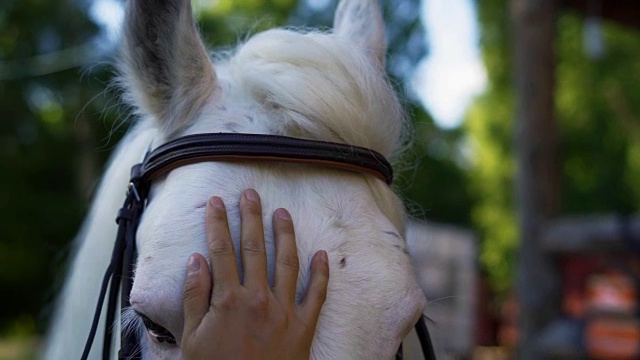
{"x":19,"y":348}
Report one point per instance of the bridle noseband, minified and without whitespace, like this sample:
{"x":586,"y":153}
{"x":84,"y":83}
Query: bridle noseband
{"x":214,"y":147}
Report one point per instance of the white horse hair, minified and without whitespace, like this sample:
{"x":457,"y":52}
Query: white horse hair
{"x":325,"y":86}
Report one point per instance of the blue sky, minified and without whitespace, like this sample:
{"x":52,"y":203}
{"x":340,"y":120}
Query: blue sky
{"x":452,"y":74}
{"x":446,"y":80}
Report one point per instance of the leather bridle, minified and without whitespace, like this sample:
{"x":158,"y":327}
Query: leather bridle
{"x":214,"y":147}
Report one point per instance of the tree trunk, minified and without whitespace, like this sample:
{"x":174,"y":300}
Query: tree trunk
{"x":537,"y":179}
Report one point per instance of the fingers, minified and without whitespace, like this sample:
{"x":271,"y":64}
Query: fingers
{"x":252,"y":251}
{"x":287,"y":264}
{"x":221,"y":252}
{"x":317,"y":291}
{"x":197,"y":290}
{"x":201,"y":291}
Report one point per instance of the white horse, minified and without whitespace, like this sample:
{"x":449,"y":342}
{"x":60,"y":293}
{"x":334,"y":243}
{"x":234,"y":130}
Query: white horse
{"x":325,"y":86}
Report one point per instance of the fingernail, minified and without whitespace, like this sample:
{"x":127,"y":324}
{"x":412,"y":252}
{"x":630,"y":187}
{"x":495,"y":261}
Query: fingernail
{"x":252,"y":195}
{"x":323,"y":256}
{"x":216,"y":202}
{"x":283,"y":214}
{"x":194,"y":264}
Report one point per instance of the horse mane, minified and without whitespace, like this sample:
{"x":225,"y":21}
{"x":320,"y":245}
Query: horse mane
{"x":320,"y":86}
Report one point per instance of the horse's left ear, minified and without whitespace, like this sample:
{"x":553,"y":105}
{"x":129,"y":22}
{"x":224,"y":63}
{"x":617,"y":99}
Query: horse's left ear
{"x":361,"y":21}
{"x":164,"y":66}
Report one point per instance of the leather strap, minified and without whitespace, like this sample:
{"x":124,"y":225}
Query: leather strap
{"x":256,"y":147}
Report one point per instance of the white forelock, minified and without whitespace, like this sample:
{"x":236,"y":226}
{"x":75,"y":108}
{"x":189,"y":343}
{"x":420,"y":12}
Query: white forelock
{"x":323,"y":86}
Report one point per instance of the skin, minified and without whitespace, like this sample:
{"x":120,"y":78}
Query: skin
{"x":230,"y":320}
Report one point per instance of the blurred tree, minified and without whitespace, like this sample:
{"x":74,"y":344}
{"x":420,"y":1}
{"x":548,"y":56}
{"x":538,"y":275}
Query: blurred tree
{"x":433,"y":179}
{"x":489,"y":128}
{"x":598,"y":103}
{"x":598,"y":111}
{"x":48,"y":157}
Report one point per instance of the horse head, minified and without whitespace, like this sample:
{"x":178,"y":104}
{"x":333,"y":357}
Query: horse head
{"x":327,"y":86}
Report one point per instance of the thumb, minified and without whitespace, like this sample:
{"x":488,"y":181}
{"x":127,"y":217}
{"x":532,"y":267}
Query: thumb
{"x":197,"y":291}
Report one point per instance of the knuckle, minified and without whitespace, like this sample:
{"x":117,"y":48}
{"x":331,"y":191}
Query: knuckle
{"x":260,"y":303}
{"x":191,"y":290}
{"x":219,"y":215}
{"x":252,"y":208}
{"x":286,"y":227}
{"x":290,"y":261}
{"x":220,"y":247}
{"x":253,"y":246}
{"x":227,"y":301}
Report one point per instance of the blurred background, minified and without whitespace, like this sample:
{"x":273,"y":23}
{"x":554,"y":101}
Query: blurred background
{"x":523,"y":181}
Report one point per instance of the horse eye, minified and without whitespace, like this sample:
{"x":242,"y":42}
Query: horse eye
{"x":157,"y":332}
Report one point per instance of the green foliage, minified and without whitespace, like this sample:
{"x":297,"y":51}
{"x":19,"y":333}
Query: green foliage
{"x":598,"y":104}
{"x":42,"y":134}
{"x":434,"y":181}
{"x":598,"y":112}
{"x":489,"y":128}
{"x":223,"y":23}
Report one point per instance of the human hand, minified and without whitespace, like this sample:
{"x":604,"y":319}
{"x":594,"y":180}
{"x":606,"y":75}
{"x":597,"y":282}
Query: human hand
{"x":250,"y":321}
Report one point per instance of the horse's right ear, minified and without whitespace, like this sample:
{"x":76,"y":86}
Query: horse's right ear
{"x":361,"y":21}
{"x":164,"y":66}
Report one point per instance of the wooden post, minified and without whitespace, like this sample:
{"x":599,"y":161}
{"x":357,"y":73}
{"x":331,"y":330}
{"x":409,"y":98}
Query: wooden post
{"x":537,"y":179}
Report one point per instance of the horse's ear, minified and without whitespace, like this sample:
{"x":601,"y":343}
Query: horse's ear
{"x":361,"y":21}
{"x":165,"y":68}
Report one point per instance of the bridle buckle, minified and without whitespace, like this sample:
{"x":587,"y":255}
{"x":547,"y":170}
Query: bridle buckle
{"x":131,"y":188}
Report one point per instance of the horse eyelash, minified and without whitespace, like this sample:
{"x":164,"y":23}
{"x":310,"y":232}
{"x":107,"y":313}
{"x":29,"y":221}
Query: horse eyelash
{"x":132,"y":322}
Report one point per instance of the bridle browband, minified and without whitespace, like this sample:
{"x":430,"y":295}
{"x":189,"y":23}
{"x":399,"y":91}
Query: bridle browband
{"x":197,"y":148}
